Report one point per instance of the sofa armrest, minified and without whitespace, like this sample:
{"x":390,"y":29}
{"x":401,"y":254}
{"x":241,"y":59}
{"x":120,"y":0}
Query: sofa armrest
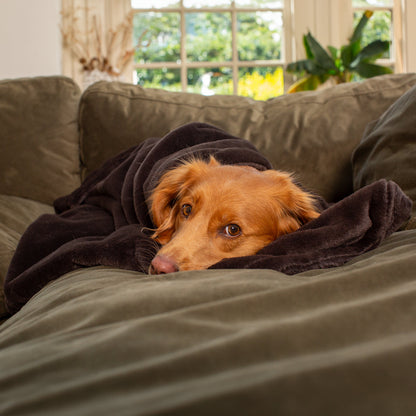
{"x":39,"y":146}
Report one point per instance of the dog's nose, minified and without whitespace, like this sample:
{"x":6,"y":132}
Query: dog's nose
{"x":162,"y":265}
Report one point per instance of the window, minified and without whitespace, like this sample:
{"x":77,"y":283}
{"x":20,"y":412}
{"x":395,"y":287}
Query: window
{"x":242,"y":46}
{"x":210,"y":46}
{"x":380,"y":26}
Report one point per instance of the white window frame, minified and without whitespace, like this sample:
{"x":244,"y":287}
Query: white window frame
{"x":235,"y":64}
{"x":395,"y":49}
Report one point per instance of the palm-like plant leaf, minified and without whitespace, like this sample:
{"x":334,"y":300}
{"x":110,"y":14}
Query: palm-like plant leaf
{"x":334,"y":52}
{"x":298,"y":66}
{"x":358,"y":31}
{"x":309,"y":54}
{"x":371,"y":52}
{"x":306,"y":65}
{"x":308,"y":83}
{"x":339,"y":63}
{"x":349,"y":53}
{"x":368,"y":70}
{"x":320,"y":55}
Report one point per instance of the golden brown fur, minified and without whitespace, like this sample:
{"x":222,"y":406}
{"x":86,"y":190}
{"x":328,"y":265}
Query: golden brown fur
{"x":205,"y":212}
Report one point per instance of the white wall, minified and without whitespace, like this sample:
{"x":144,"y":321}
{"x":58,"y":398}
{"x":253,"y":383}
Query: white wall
{"x":30,"y":42}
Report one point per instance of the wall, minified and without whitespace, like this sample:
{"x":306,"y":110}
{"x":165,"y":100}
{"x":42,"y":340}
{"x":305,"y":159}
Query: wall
{"x":30,"y":42}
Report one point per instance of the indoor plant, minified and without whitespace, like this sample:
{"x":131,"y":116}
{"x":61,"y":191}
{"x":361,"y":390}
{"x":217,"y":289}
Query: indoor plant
{"x":338,"y":65}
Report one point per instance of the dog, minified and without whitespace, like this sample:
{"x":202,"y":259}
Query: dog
{"x":205,"y":211}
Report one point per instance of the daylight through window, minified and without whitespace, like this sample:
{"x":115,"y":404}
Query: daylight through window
{"x":235,"y":46}
{"x":210,"y":46}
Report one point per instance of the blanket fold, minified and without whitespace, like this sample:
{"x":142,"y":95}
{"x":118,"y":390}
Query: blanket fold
{"x":104,"y":221}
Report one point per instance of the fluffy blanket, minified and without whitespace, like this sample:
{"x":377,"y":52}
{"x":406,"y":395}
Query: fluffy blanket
{"x":105,"y":221}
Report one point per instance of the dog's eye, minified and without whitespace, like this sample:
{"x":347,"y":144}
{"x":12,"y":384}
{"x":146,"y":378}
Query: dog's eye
{"x":232,"y":230}
{"x":186,"y":210}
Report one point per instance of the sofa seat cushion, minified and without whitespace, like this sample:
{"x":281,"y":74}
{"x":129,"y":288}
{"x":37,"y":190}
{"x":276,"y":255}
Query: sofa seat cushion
{"x":39,"y":146}
{"x":102,"y":341}
{"x":16,"y":214}
{"x":311,"y":134}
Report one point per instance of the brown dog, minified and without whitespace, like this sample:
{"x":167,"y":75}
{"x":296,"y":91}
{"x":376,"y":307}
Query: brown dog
{"x":206,"y":211}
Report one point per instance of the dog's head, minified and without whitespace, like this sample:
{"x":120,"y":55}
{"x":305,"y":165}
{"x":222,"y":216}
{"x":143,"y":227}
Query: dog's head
{"x":206,"y":211}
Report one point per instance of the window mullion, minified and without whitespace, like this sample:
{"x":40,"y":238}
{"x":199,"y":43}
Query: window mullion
{"x":234,"y":47}
{"x":190,"y":70}
{"x":398,"y":37}
{"x":184,"y":70}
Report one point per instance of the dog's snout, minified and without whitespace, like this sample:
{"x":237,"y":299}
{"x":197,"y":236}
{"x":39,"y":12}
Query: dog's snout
{"x":162,"y":265}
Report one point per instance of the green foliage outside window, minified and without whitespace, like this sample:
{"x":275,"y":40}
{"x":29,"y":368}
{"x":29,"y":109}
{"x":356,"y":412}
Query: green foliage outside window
{"x":209,"y":39}
{"x":161,"y":42}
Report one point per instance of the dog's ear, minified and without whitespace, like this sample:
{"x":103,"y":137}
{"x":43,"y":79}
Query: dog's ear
{"x":167,"y":194}
{"x":297,"y":207}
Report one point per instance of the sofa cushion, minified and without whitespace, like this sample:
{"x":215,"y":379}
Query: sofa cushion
{"x":101,"y":341}
{"x":388,"y":148}
{"x":311,"y":134}
{"x":39,"y":146}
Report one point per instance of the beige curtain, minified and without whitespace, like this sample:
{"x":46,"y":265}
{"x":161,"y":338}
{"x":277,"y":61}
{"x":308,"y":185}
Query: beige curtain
{"x":330,"y":21}
{"x":108,"y":14}
{"x":398,"y":26}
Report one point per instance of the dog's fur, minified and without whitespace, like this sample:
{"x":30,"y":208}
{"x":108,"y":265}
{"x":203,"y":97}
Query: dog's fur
{"x":206,"y":211}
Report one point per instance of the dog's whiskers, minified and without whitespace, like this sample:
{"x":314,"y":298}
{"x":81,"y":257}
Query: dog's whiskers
{"x":146,"y":254}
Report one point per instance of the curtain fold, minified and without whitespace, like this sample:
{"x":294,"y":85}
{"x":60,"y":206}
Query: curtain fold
{"x":89,"y":17}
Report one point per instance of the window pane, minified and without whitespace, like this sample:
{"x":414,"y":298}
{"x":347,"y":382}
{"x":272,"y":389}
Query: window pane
{"x":259,"y":35}
{"x":147,"y":4}
{"x":369,"y":3}
{"x":378,"y":27}
{"x":157,"y":36}
{"x":207,"y":3}
{"x":209,"y":81}
{"x":261,"y":83}
{"x":208,"y":37}
{"x":168,"y":79}
{"x":260,"y":3}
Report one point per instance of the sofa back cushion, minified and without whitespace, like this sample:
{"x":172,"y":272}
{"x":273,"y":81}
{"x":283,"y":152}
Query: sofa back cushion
{"x":311,"y":134}
{"x":388,"y":148}
{"x":39,"y":146}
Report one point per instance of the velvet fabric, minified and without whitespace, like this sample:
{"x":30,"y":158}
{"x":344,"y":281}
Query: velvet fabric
{"x":388,"y":148}
{"x":39,"y":143}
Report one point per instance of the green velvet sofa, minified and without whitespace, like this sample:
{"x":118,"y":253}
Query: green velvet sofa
{"x":105,"y":341}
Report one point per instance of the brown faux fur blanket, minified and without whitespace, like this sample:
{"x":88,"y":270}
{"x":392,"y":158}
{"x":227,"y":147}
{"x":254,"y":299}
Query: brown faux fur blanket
{"x":104,"y":222}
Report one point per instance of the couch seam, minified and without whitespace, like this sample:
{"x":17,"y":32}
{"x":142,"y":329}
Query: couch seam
{"x":262,"y":103}
{"x":142,"y":98}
